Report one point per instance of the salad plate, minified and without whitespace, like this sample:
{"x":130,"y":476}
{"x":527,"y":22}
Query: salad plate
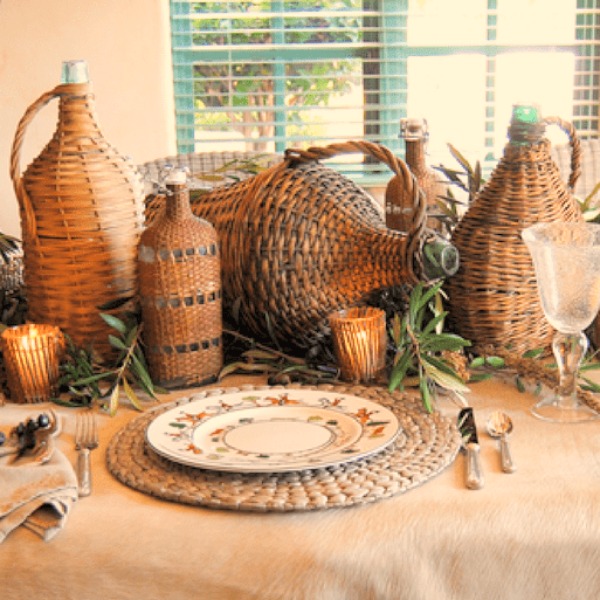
{"x":272,"y":430}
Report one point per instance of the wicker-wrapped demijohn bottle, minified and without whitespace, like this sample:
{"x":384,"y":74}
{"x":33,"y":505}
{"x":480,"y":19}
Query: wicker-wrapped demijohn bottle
{"x":82,"y":213}
{"x":180,"y":292}
{"x":493,"y":298}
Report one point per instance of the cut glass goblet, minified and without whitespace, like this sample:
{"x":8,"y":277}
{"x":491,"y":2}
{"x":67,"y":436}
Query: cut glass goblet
{"x":566,"y":258}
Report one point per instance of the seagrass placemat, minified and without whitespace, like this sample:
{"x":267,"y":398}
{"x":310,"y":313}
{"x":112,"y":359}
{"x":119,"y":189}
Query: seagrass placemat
{"x":427,"y":444}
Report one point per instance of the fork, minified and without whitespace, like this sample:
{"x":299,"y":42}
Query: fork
{"x":86,"y":439}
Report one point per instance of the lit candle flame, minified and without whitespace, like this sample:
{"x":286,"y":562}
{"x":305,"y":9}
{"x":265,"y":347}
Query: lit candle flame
{"x":26,"y":340}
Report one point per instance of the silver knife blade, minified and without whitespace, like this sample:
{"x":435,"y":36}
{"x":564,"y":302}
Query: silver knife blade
{"x":468,"y":431}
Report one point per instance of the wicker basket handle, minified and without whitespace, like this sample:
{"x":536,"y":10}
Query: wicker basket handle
{"x":404,"y":180}
{"x":15,"y":159}
{"x":575,"y":144}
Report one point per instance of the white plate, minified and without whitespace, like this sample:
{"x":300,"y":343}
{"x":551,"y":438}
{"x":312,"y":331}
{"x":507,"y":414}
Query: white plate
{"x":272,"y":430}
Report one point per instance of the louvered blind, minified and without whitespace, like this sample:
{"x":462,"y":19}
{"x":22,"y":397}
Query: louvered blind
{"x":268,"y":75}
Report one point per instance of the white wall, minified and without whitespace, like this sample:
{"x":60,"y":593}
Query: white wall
{"x":127,"y":46}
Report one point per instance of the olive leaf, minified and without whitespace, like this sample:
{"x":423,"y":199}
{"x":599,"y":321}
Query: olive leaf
{"x":279,"y":366}
{"x":9,"y":245}
{"x":88,"y":380}
{"x":468,"y":179}
{"x":421,"y":344}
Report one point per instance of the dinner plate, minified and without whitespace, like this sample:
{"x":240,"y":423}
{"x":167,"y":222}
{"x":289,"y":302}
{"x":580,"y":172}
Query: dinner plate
{"x":272,"y":430}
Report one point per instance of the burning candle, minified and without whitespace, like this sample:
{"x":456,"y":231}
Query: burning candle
{"x":31,"y":357}
{"x":359,"y":342}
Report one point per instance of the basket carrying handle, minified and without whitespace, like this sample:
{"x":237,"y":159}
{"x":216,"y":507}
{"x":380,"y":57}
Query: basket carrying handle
{"x":402,"y":182}
{"x":575,"y":144}
{"x":15,"y":160}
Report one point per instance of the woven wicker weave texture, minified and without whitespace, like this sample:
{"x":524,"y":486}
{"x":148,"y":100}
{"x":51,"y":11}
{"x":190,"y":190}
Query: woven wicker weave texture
{"x":81,"y":208}
{"x":428,"y":444}
{"x":180,"y":295}
{"x":300,"y":241}
{"x":493,"y":298}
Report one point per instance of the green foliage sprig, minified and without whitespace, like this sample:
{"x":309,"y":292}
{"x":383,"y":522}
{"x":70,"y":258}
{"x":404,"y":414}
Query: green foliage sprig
{"x":278,"y":366}
{"x":88,"y":380}
{"x":421,"y":345}
{"x":9,"y":245}
{"x":590,"y":206}
{"x":468,"y":179}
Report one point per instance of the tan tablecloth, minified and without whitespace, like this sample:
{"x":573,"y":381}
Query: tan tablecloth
{"x":534,"y":534}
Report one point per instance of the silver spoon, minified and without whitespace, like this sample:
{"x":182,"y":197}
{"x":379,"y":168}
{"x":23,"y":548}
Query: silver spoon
{"x":499,"y":426}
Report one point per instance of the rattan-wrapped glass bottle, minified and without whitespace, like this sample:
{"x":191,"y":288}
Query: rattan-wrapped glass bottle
{"x":81,"y":206}
{"x":493,"y":298}
{"x":415,"y":133}
{"x":180,"y":293}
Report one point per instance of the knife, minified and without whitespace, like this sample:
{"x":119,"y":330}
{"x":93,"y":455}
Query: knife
{"x":470,"y":442}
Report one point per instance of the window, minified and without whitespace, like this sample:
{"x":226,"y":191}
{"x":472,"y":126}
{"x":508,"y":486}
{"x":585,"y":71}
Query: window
{"x":267,"y":75}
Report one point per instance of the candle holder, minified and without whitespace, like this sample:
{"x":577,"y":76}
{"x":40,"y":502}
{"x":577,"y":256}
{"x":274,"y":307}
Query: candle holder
{"x":31,"y":357}
{"x":359,"y":342}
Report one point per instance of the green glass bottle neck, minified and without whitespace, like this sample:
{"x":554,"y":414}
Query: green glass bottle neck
{"x":74,"y":71}
{"x":526,"y":127}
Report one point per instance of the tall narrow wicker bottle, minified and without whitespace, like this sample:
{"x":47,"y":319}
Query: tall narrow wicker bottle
{"x":81,"y":208}
{"x":180,"y":293}
{"x":493,"y":297}
{"x":415,"y":134}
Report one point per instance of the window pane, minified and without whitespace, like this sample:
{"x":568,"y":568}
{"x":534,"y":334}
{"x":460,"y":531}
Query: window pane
{"x":269,"y":75}
{"x":449,"y":91}
{"x":543,"y":78}
{"x":531,"y":22}
{"x":247,"y":103}
{"x":444,"y":23}
{"x":272,"y":74}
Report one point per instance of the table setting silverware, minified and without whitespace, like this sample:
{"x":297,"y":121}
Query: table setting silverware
{"x":499,"y":426}
{"x":470,"y":445}
{"x":32,"y":439}
{"x":86,"y":440}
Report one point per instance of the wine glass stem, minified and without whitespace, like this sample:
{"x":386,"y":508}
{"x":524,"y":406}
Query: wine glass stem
{"x":569,"y":350}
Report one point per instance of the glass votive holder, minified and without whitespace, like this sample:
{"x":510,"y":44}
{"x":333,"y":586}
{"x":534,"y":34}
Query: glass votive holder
{"x":32,"y":356}
{"x":359,"y":342}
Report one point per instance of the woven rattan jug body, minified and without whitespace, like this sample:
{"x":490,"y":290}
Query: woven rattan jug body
{"x":300,"y":241}
{"x":180,"y":295}
{"x":81,"y":209}
{"x":493,"y":299}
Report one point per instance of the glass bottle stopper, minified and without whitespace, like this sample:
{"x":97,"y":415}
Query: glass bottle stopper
{"x":74,"y":71}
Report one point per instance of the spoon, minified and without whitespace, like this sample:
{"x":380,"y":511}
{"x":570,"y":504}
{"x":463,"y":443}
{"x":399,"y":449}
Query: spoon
{"x":499,"y":425}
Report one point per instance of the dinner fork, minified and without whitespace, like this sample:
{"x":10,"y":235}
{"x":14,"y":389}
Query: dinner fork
{"x":86,"y":439}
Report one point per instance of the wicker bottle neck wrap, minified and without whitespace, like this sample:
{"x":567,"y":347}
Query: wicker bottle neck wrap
{"x":177,"y":207}
{"x":494,"y":301}
{"x":81,"y":206}
{"x":180,"y":295}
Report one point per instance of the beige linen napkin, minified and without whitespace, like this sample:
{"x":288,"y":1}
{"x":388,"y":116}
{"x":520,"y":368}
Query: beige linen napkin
{"x":36,"y":496}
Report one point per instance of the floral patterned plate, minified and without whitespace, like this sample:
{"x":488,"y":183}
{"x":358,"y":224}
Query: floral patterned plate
{"x":272,"y":430}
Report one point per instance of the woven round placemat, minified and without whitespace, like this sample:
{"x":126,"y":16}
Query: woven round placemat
{"x":427,"y":444}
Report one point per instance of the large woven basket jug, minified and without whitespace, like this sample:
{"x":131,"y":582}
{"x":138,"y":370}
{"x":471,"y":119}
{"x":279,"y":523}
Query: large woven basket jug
{"x":300,"y":241}
{"x":81,"y":209}
{"x":493,"y":298}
